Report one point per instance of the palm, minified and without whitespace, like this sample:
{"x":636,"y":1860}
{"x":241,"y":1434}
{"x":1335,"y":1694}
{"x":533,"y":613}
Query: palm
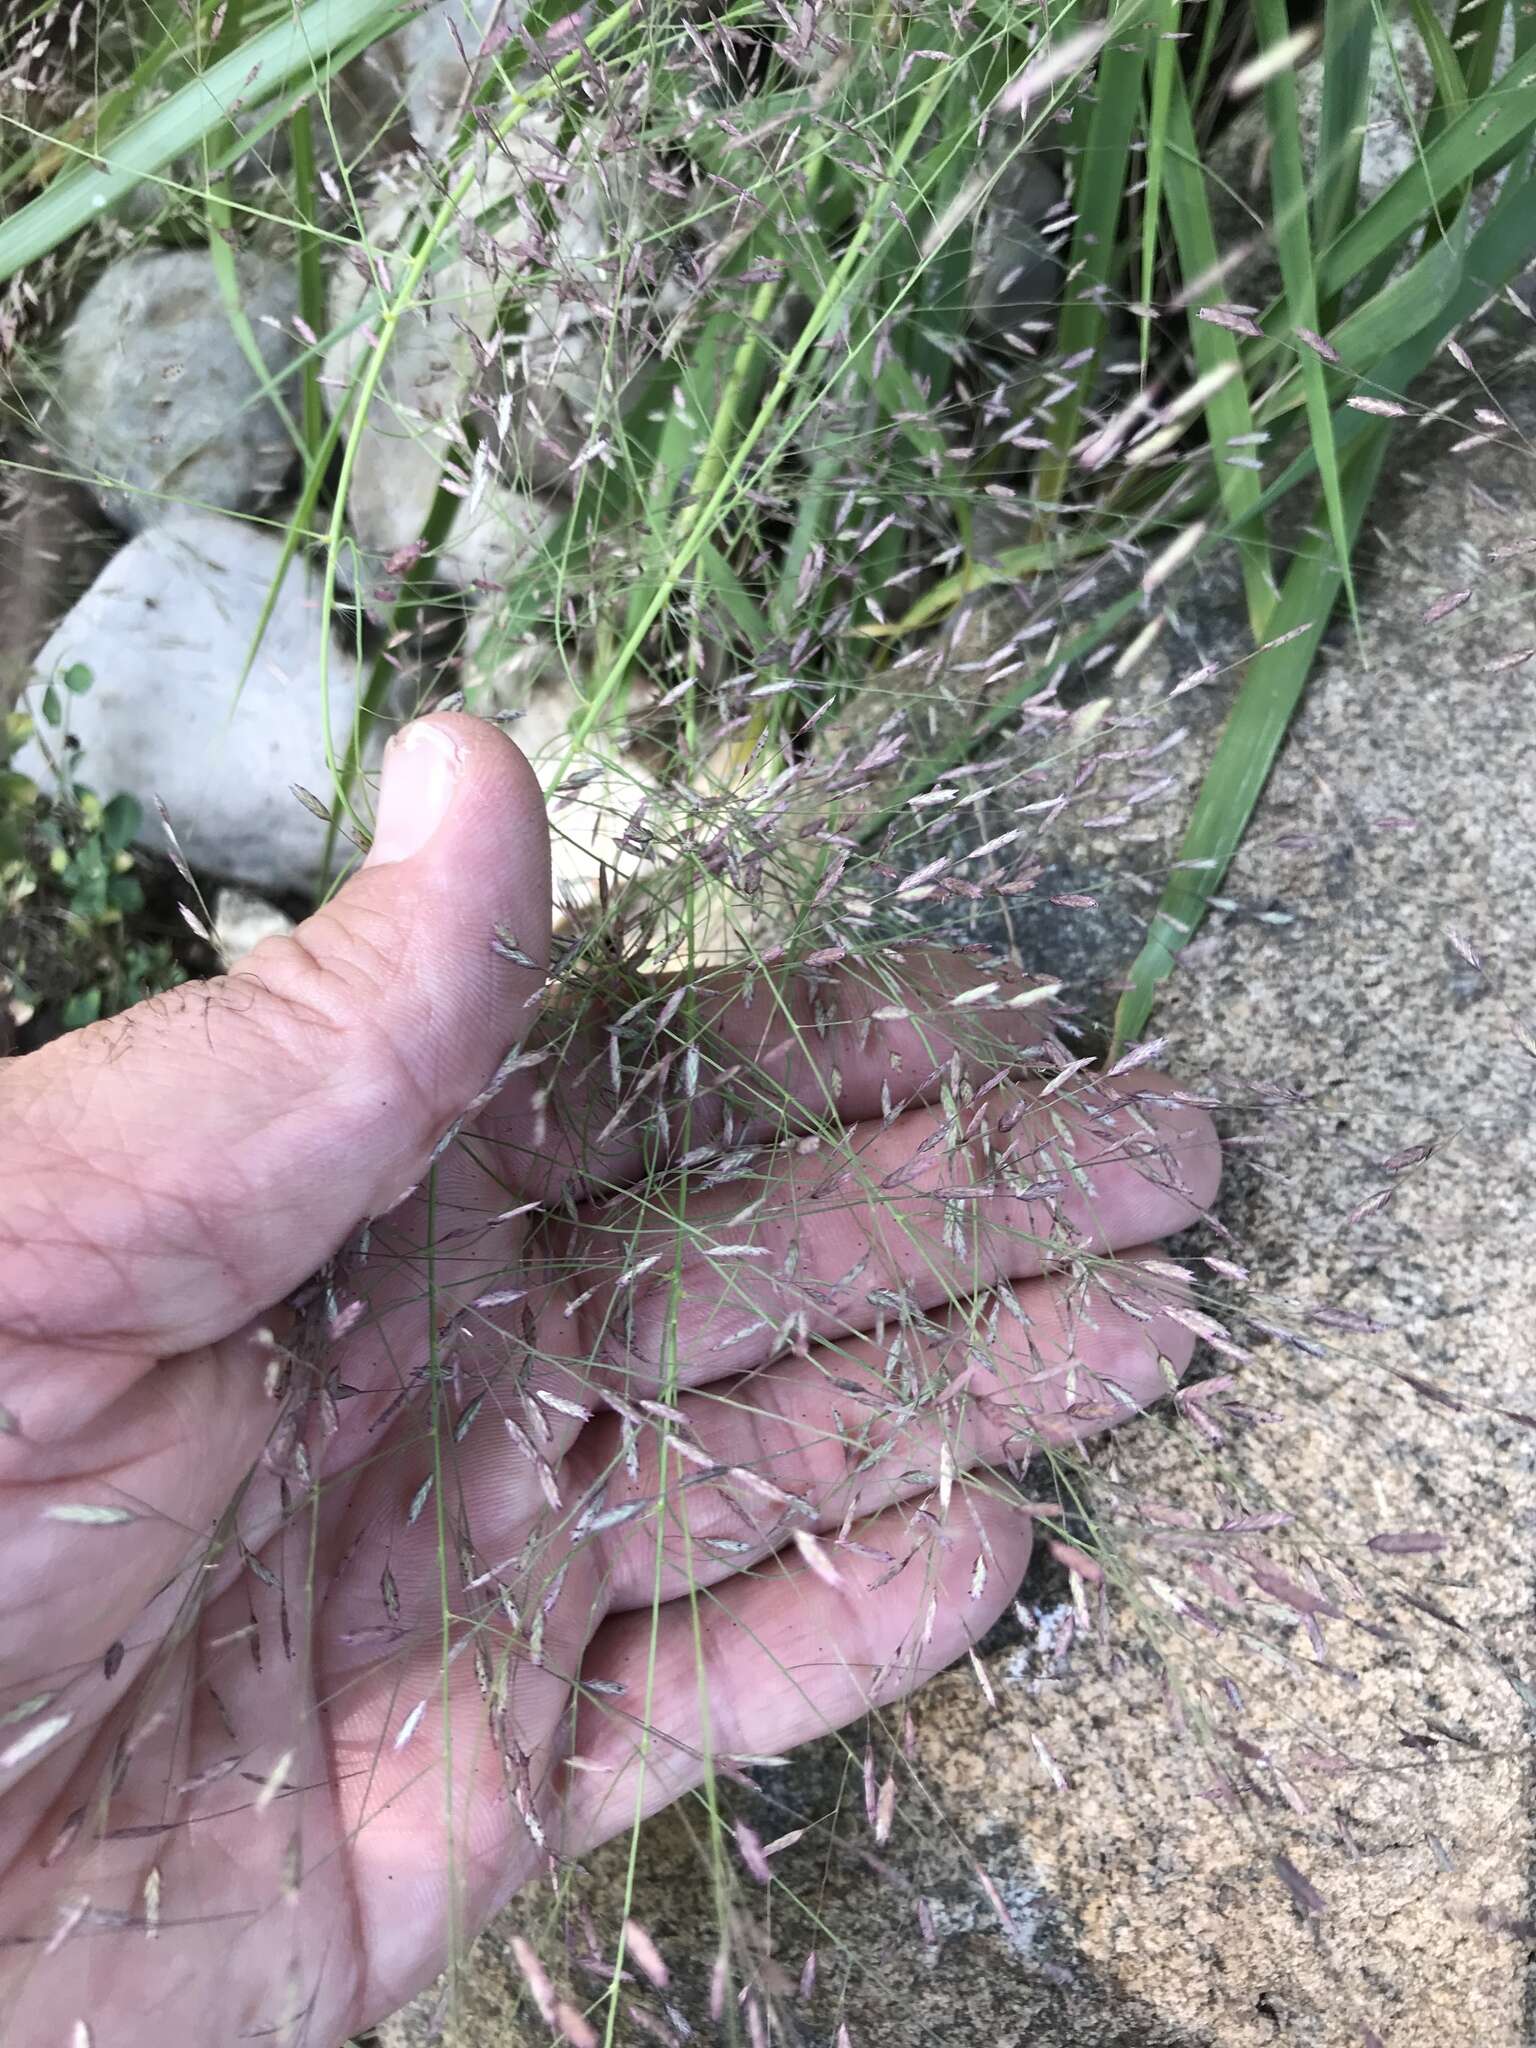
{"x":442,"y":1634}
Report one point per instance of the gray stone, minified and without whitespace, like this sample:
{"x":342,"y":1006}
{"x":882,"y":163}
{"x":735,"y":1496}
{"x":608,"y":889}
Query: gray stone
{"x":444,"y":56}
{"x":1015,"y":269}
{"x":166,"y":631}
{"x":157,"y":404}
{"x":425,"y":388}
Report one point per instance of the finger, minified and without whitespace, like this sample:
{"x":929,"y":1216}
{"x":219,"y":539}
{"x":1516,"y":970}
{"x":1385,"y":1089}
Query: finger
{"x":751,"y":1054}
{"x":855,"y":1428}
{"x":634,"y":1305}
{"x":172,"y":1171}
{"x":938,"y":1206}
{"x":811,"y":1443}
{"x":170,"y":1789}
{"x":765,"y":1663}
{"x":773,"y":1048}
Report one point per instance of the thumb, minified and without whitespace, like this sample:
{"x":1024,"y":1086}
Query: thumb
{"x":177,"y":1169}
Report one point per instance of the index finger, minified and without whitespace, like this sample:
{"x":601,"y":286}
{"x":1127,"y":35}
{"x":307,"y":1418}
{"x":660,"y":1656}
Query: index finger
{"x":902,"y":1219}
{"x":744,"y":1056}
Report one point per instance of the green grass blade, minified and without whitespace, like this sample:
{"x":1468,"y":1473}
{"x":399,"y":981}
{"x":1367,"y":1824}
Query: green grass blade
{"x":221,"y":255}
{"x":311,"y":273}
{"x":1450,"y":84}
{"x":254,"y":72}
{"x":1103,"y":172}
{"x":1494,"y":256}
{"x":1496,"y":253}
{"x":1479,"y":21}
{"x":1346,"y":62}
{"x":1215,"y":13}
{"x":1249,"y":742}
{"x":1293,"y":243}
{"x":1229,"y":417}
{"x":811,"y":516}
{"x":732,"y":598}
{"x":717,"y":486}
{"x":1009,"y":565}
{"x":1164,"y":57}
{"x":1405,"y":303}
{"x":1460,"y":155}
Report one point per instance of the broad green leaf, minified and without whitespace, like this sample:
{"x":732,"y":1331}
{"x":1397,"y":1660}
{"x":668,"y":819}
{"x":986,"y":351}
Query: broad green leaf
{"x":120,"y":821}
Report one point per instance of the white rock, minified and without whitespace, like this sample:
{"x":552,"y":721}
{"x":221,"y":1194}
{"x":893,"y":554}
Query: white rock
{"x":424,"y":389}
{"x":158,"y":406}
{"x":445,"y":55}
{"x":166,"y":631}
{"x":241,"y":921}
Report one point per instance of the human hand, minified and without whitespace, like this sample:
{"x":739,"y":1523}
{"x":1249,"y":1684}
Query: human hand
{"x":314,"y":1588}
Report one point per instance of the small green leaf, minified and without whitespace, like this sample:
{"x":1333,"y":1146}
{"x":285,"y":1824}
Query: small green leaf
{"x":80,"y":1010}
{"x":120,"y":822}
{"x":52,"y":709}
{"x":77,"y":678}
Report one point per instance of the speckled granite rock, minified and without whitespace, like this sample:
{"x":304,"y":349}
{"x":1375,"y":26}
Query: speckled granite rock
{"x":1305,"y":1827}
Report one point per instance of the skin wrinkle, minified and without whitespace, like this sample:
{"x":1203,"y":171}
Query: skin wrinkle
{"x":171,"y":1232}
{"x":187,"y":1226}
{"x":266,"y":1096}
{"x":1007,"y":1410}
{"x":23,"y":1236}
{"x":1011,"y":1234}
